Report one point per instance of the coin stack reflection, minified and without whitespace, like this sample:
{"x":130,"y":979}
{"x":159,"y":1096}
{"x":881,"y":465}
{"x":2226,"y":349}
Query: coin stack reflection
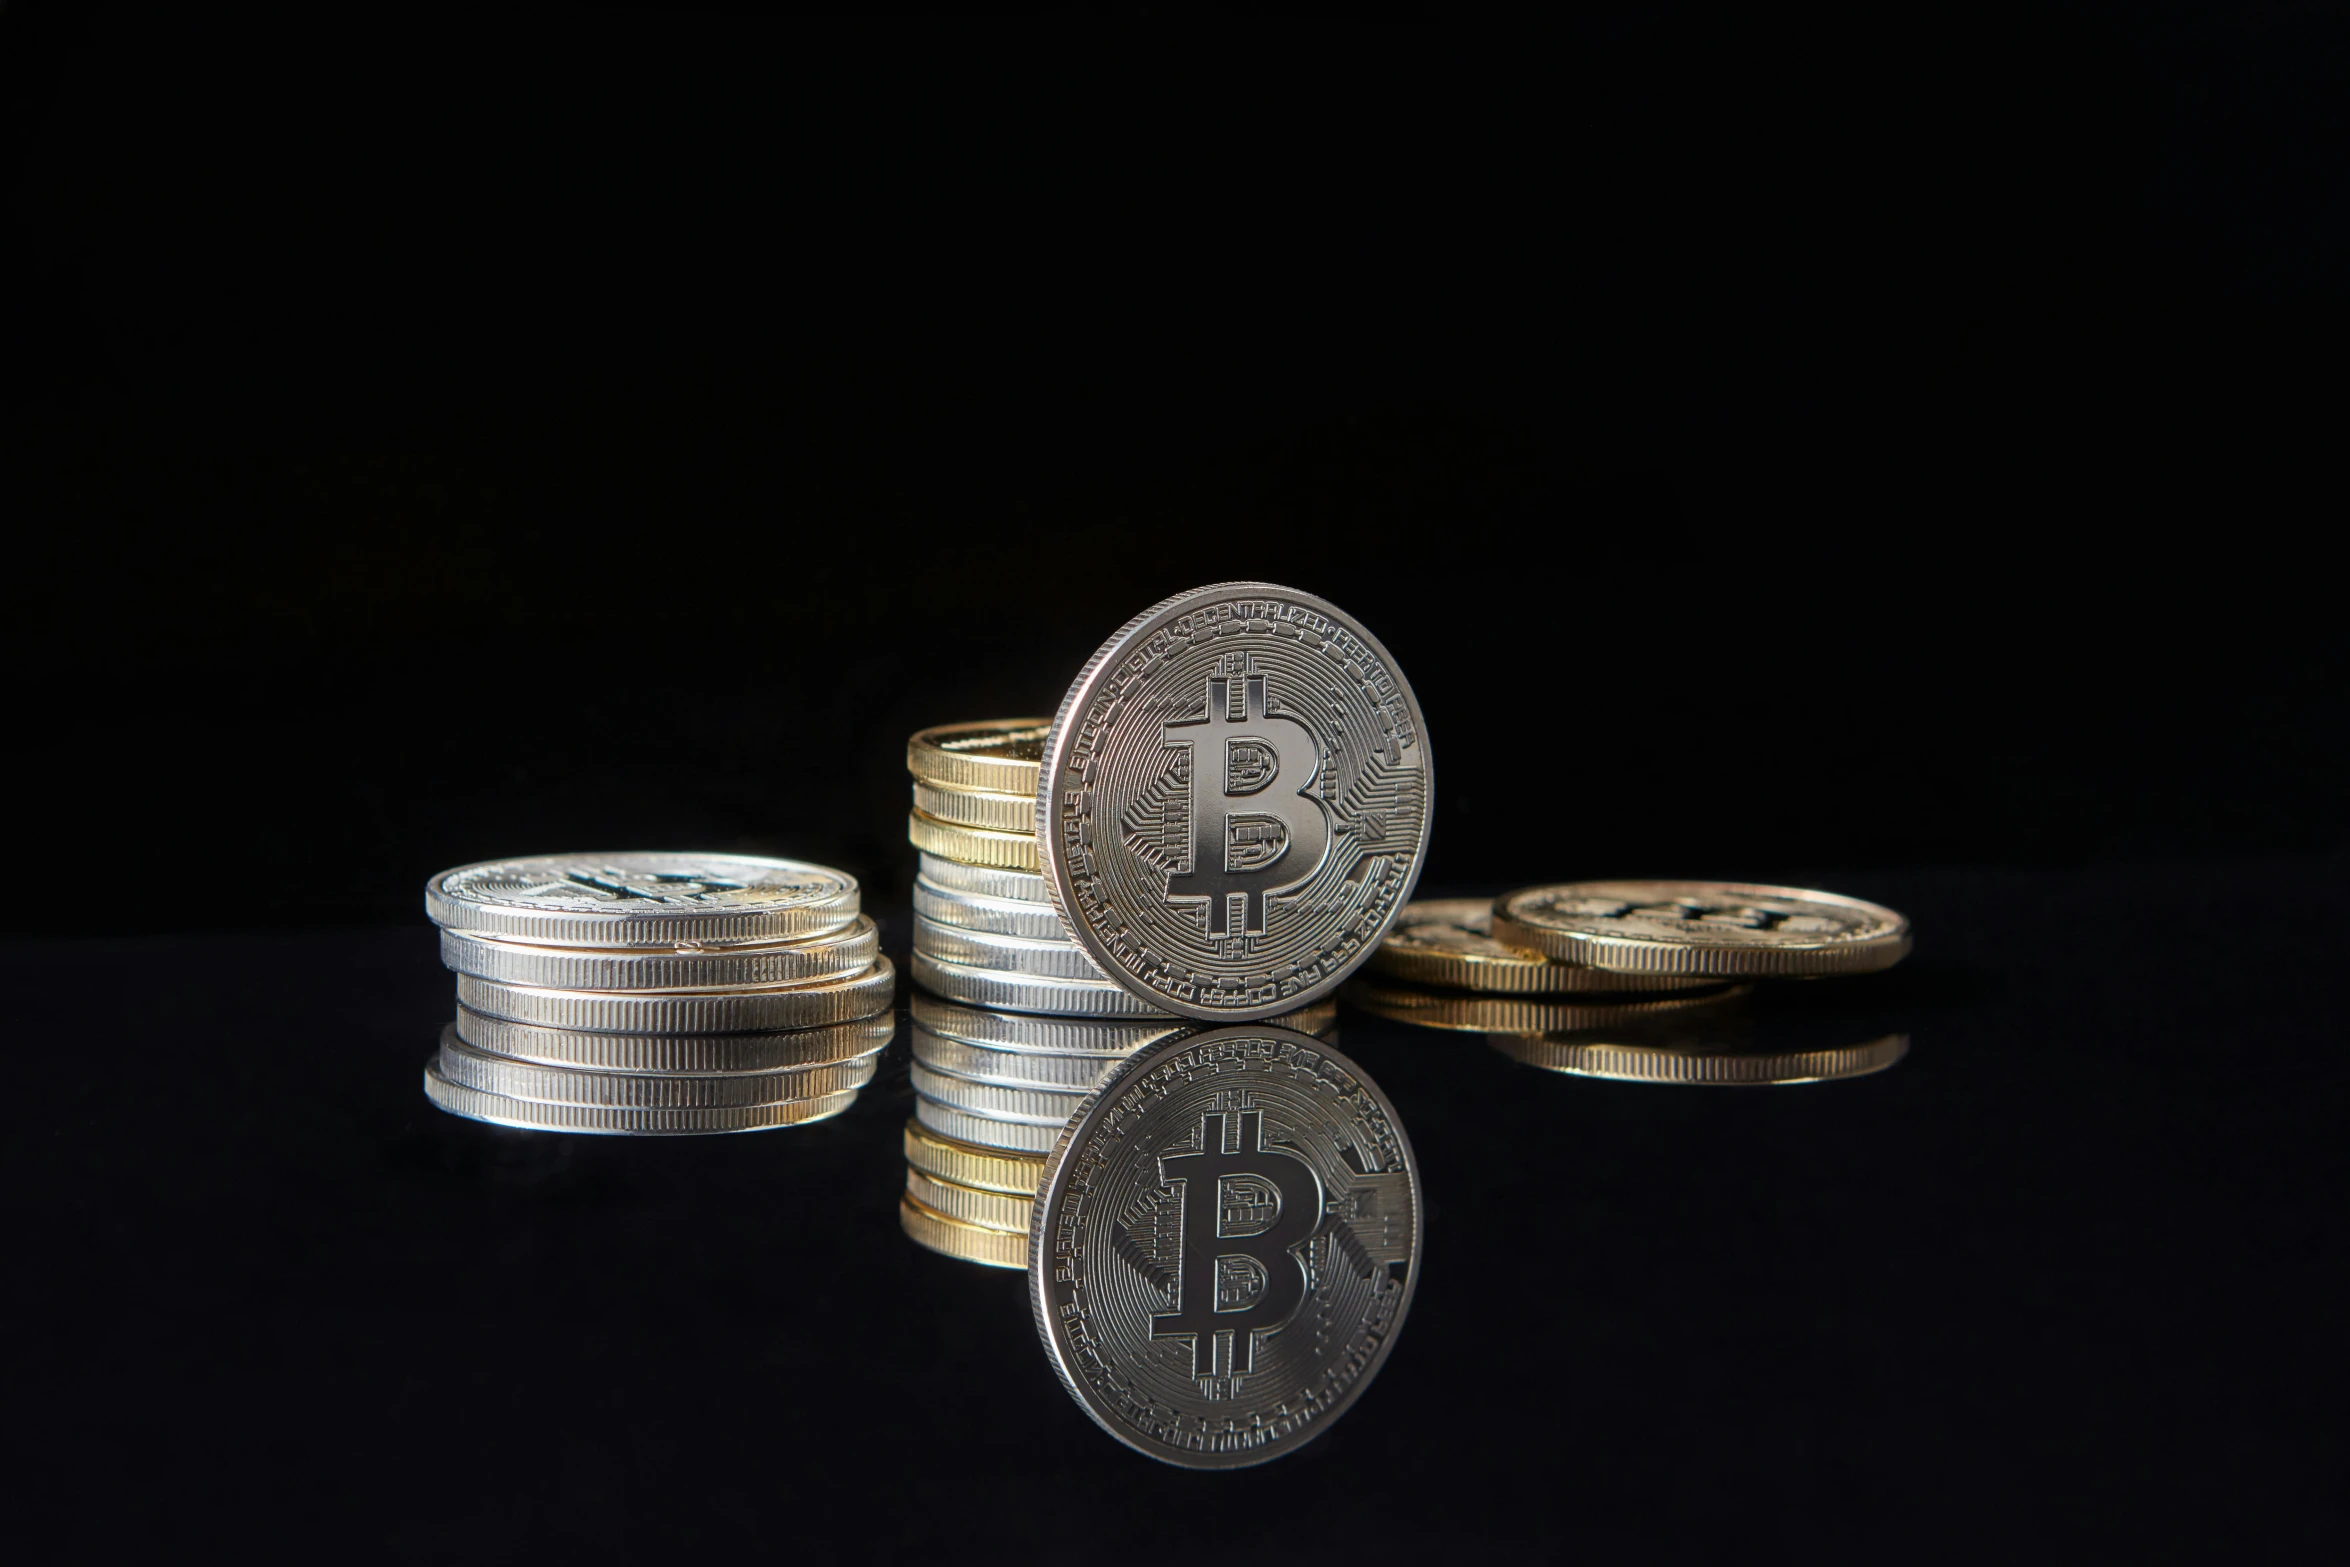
{"x":656,"y":994}
{"x":992,"y":1092}
{"x":985,"y":929}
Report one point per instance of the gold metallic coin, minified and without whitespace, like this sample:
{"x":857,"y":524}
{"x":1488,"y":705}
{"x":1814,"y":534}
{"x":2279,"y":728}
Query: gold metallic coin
{"x":1449,"y":941}
{"x":968,"y":1164}
{"x":969,"y":1204}
{"x":998,"y":754}
{"x":1716,"y":929}
{"x":926,"y":1226}
{"x":1583,"y":1055}
{"x":1008,"y":851}
{"x":976,"y":807}
{"x":1517,"y":1014}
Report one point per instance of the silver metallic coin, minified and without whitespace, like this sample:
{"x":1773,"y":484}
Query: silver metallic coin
{"x":1061,"y":959}
{"x":763,"y":1010}
{"x":1025,"y":992}
{"x":1038,"y":1106}
{"x":675,"y":1052}
{"x":1012,"y":1068}
{"x":999,"y":916}
{"x":836,"y":955}
{"x":640,"y":899}
{"x":1227,"y":1239}
{"x":984,"y":880}
{"x":571,"y":1085}
{"x":986,"y":1131}
{"x":1234,"y":801}
{"x":624,"y":1120}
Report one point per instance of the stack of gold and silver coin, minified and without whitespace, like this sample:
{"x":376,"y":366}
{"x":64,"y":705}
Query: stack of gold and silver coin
{"x":1631,"y":980}
{"x":656,"y":994}
{"x":986,"y":932}
{"x":993,"y":1091}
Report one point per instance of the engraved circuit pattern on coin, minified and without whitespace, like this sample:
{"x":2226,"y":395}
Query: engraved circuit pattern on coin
{"x":1234,"y":800}
{"x":1721,"y":929}
{"x":1227,"y":1239}
{"x":642,"y":899}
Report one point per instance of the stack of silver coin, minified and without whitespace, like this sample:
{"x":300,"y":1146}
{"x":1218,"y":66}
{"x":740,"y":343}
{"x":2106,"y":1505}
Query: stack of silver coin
{"x":986,"y":932}
{"x":992,"y":1092}
{"x":656,"y":994}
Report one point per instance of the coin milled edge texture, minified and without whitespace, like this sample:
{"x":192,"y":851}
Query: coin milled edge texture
{"x":981,"y":755}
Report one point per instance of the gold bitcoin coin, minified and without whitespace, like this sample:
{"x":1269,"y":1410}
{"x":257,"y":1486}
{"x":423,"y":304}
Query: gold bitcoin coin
{"x":976,"y":807}
{"x":926,"y":1226}
{"x":968,"y":1164}
{"x":968,"y":1204}
{"x":1711,"y":929}
{"x":998,"y":754}
{"x":1449,"y":942}
{"x":1008,"y":851}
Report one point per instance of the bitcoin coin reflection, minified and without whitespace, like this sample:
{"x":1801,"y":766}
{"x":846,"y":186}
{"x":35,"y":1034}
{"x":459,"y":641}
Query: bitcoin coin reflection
{"x":1226,"y":1239}
{"x":992,"y":1092}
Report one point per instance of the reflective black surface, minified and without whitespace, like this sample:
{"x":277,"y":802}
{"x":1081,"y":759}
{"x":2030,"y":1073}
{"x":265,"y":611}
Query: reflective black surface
{"x":2058,"y":1283}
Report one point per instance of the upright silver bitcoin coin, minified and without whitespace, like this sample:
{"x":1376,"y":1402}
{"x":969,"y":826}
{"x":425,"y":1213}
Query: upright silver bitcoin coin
{"x":1226,"y":1239}
{"x":1234,"y":801}
{"x":640,"y":899}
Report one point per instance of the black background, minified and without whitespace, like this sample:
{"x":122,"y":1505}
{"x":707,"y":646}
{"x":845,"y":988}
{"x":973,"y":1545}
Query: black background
{"x":1901,"y":459}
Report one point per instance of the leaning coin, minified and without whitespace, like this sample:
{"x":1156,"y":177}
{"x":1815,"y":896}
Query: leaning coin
{"x":686,"y":1011}
{"x":1000,"y":916}
{"x":1277,"y":1158}
{"x":1449,"y":941}
{"x":986,"y":1131}
{"x":1718,"y":929}
{"x":996,"y":753}
{"x":976,"y":807}
{"x":1026,"y":993}
{"x":1060,"y":959}
{"x":1517,"y":1014}
{"x":1589,"y":1055}
{"x":1012,"y":1068}
{"x":813,"y":961}
{"x":1234,"y":800}
{"x":675,"y":1052}
{"x":970,"y":1242}
{"x":986,"y":881}
{"x":641,"y":899}
{"x":571,"y":1085}
{"x":1010,"y":851}
{"x":970,"y":1204}
{"x":624,"y":1120}
{"x":968,"y":1164}
{"x":1035,"y":1106}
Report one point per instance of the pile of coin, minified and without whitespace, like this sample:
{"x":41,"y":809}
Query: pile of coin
{"x":985,"y":929}
{"x":1633,"y":980}
{"x":992,"y":1092}
{"x":656,"y":994}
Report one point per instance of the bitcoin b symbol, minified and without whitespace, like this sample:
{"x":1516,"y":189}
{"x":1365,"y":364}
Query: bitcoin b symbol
{"x":1278,"y":838}
{"x":1244,"y":1207}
